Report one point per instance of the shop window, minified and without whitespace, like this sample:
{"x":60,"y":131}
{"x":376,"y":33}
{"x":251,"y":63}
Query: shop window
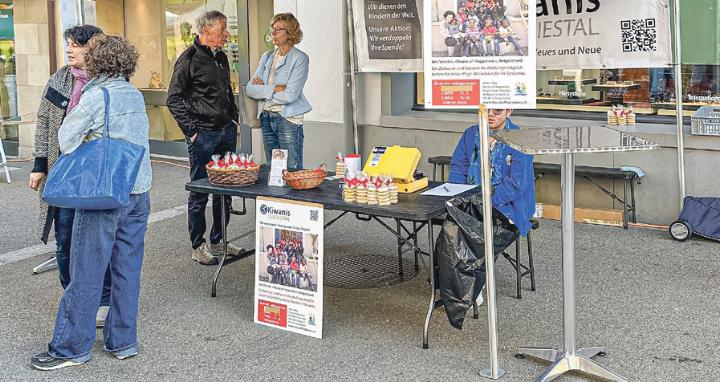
{"x":8,"y":86}
{"x":180,"y":17}
{"x":162,"y":30}
{"x":649,"y":91}
{"x":594,"y":90}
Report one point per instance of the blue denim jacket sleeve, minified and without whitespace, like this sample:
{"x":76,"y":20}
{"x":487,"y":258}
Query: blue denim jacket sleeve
{"x":512,"y":185}
{"x":296,"y":82}
{"x":75,"y":128}
{"x":260,"y":91}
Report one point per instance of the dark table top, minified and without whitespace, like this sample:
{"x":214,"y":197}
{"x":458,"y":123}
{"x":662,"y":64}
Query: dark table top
{"x":413,"y":206}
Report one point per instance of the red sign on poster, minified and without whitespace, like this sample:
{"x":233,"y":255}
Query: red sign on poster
{"x":456,"y":92}
{"x":272,"y":313}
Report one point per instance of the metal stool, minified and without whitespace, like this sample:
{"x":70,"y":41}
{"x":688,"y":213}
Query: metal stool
{"x":522,"y":270}
{"x":441,"y":161}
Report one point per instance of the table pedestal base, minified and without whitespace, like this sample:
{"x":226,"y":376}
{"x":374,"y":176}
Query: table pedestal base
{"x":487,"y":373}
{"x":565,"y":362}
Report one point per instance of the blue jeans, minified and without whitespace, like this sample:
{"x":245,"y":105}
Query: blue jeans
{"x":63,"y":234}
{"x":102,"y":239}
{"x":279,"y":133}
{"x":511,"y":40}
{"x":201,"y":151}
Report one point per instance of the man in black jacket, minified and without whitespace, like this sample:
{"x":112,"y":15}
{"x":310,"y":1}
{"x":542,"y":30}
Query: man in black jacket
{"x":201,"y":100}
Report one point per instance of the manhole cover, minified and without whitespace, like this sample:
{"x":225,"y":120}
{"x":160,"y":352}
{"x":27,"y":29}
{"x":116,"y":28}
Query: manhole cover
{"x":366,"y":271}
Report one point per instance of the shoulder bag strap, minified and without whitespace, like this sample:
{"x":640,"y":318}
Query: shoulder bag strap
{"x":106,"y":126}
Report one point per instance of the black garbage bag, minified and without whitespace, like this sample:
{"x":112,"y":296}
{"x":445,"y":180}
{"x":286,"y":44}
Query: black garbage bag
{"x":460,"y":253}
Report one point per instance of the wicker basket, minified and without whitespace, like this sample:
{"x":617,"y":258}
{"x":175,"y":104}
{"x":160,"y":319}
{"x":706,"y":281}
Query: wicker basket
{"x":225,"y":177}
{"x":305,"y":179}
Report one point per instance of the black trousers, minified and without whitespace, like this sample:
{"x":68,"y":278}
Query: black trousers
{"x":206,"y":144}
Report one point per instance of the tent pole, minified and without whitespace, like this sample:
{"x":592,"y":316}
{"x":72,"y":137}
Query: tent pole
{"x":494,"y":371}
{"x":678,"y":102}
{"x":353,"y":73}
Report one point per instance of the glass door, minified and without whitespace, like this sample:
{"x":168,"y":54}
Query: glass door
{"x":162,"y":30}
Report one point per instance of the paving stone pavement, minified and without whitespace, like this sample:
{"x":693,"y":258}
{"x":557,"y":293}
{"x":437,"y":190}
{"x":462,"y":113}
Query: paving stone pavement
{"x":652,"y":301}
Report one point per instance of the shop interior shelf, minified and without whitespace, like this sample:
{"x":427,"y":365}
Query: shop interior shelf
{"x":585,"y":81}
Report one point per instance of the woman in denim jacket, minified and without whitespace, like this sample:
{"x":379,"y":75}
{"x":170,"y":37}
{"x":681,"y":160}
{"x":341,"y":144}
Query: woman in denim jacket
{"x":278,"y":86}
{"x":104,"y":237}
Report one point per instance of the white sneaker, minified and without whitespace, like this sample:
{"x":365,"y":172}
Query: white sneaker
{"x":479,"y":300}
{"x":101,"y":316}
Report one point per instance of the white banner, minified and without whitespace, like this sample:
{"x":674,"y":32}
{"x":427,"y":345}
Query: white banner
{"x":479,"y":52}
{"x":388,"y":35}
{"x":289,"y":265}
{"x":598,"y":34}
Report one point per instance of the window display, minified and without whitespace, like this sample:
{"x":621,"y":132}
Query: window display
{"x":180,"y":32}
{"x":647,"y":91}
{"x":595,"y":88}
{"x":161,"y":31}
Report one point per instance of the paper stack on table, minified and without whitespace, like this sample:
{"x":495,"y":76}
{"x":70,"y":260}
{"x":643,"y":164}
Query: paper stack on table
{"x":449,"y":189}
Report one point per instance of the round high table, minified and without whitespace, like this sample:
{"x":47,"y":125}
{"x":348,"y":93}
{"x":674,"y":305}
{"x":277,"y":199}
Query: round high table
{"x":568,"y":142}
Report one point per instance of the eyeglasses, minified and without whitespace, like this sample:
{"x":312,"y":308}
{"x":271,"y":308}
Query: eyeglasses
{"x":277,"y":30}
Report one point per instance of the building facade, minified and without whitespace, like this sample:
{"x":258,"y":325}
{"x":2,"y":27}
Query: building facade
{"x":388,"y":106}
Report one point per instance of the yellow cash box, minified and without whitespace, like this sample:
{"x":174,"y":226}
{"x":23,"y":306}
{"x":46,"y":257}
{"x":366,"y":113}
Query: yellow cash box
{"x":398,"y":162}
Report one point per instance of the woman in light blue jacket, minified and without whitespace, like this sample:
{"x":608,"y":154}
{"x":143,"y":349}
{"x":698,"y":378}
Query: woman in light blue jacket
{"x":278,"y":86}
{"x":103,"y":238}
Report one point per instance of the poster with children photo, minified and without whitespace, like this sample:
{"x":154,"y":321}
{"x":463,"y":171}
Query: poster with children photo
{"x":482,"y":52}
{"x":289,"y":258}
{"x":289,"y":265}
{"x":479,"y":28}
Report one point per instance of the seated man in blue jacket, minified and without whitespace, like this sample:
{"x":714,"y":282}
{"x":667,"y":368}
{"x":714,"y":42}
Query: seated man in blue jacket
{"x":512,"y":175}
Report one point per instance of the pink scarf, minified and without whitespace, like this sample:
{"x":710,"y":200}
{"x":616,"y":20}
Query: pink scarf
{"x":80,"y":79}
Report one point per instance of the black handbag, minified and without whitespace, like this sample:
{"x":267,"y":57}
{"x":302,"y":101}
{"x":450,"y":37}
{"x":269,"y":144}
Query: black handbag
{"x":270,"y":269}
{"x":450,"y":41}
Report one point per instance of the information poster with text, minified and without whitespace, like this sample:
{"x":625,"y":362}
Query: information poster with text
{"x":388,"y":36}
{"x":479,"y":52}
{"x":289,"y":265}
{"x":598,"y":34}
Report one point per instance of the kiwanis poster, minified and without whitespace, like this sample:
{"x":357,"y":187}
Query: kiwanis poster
{"x":595,"y":34}
{"x":479,"y":51}
{"x":289,"y":265}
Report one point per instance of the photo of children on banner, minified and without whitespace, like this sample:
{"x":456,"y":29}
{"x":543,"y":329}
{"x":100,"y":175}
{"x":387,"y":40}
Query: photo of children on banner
{"x":477,"y":28}
{"x":287,"y":261}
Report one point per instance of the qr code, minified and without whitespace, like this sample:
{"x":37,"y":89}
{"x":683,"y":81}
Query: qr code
{"x":314,"y":214}
{"x":638,"y":35}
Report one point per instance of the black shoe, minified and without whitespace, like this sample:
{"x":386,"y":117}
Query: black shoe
{"x":45,"y":361}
